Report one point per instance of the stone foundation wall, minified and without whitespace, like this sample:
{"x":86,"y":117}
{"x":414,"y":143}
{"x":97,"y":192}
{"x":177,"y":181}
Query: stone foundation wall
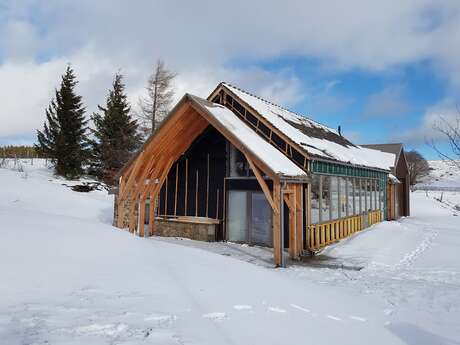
{"x":180,"y":228}
{"x":170,"y":227}
{"x":126,"y":212}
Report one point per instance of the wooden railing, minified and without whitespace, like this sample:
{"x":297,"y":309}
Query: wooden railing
{"x":374,"y":217}
{"x":323,"y":234}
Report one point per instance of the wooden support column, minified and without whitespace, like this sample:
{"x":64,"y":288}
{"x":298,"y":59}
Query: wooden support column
{"x":299,"y":209}
{"x":262,"y":183}
{"x":152,"y":214}
{"x":120,"y":204}
{"x":132,"y":208}
{"x":141,"y":217}
{"x":289,"y":198}
{"x":277,"y":245}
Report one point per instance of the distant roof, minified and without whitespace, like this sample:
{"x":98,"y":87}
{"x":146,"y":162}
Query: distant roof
{"x":315,"y":139}
{"x":394,"y":148}
{"x":271,"y":156}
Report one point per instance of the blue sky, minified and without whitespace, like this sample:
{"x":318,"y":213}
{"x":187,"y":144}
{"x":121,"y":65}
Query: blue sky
{"x":382,"y":71}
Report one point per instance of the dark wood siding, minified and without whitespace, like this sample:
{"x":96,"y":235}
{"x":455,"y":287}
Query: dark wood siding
{"x":211,"y":143}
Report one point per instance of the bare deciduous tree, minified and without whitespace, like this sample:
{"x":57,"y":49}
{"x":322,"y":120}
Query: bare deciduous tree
{"x":450,"y":131}
{"x":160,"y":93}
{"x":418,"y":166}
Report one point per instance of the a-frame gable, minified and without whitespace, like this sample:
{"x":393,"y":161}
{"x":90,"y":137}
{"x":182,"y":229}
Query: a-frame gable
{"x":274,"y":136}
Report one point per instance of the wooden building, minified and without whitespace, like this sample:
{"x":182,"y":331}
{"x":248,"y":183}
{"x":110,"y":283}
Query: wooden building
{"x":239,"y":168}
{"x":399,"y":189}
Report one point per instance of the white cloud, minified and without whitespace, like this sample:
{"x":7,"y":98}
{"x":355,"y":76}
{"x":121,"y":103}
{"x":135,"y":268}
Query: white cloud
{"x":389,"y":102}
{"x":202,"y":40}
{"x":426,"y":132}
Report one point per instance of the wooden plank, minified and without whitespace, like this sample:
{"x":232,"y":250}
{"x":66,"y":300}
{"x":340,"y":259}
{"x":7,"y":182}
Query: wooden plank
{"x":141,"y":217}
{"x":120,"y":205}
{"x":196,"y":193}
{"x":186,"y":185}
{"x":207,"y":186}
{"x":236,"y":142}
{"x":132,"y":208}
{"x":262,"y":120}
{"x":152,"y":214}
{"x":276,"y":223}
{"x":131,"y":178}
{"x":289,"y":199}
{"x":262,"y":183}
{"x":299,"y":209}
{"x":175,"y":190}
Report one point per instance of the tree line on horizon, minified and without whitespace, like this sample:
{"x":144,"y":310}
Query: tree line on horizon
{"x":75,"y":148}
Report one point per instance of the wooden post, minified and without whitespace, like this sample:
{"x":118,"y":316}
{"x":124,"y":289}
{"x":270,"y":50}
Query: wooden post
{"x":175,"y":190}
{"x":207,"y":188}
{"x":186,"y":186}
{"x":152,"y":214}
{"x":277,"y":245}
{"x":166,"y":196}
{"x":292,"y":226}
{"x":196,"y":194}
{"x":132,"y":208}
{"x":121,"y":205}
{"x":299,"y":209}
{"x":141,"y":217}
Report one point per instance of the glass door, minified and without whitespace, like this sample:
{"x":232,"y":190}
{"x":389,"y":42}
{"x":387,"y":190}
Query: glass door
{"x":261,"y":220}
{"x":237,"y":216}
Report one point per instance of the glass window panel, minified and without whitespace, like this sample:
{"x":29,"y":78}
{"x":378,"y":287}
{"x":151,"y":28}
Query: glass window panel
{"x":350,"y":197}
{"x":261,"y":216}
{"x":374,"y":192}
{"x":237,"y":216}
{"x":325,"y":198}
{"x":334,"y":190}
{"x":367,"y":195}
{"x":358,"y":198}
{"x":343,"y":196}
{"x":315,"y":199}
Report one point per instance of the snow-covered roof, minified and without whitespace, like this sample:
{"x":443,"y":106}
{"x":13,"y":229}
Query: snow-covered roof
{"x":393,"y":178}
{"x":314,"y":138}
{"x":268,"y":154}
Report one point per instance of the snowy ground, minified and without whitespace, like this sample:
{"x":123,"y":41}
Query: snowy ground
{"x":69,"y":277}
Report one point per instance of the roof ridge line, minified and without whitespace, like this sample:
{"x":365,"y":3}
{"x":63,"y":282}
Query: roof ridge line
{"x":276,"y":105}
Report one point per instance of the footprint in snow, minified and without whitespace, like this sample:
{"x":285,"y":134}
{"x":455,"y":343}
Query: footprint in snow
{"x":335,"y":318}
{"x":242,"y":307}
{"x":161,"y":319}
{"x":298,"y":307}
{"x":357,"y":318}
{"x":217,"y":316}
{"x":276,"y":310}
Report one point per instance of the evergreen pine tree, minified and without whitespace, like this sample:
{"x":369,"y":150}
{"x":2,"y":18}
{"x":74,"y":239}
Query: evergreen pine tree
{"x":63,"y":138}
{"x":116,"y":133}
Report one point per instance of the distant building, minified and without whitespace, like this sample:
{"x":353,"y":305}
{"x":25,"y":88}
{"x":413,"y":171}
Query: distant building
{"x":238,"y":168}
{"x":398,"y":202}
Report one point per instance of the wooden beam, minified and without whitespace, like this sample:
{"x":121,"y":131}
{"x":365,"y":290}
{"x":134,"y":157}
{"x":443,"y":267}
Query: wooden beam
{"x":120,"y":205}
{"x":152,"y":214}
{"x":207,"y":186}
{"x":186,"y":186}
{"x":299,"y":219}
{"x":276,"y":223}
{"x":132,"y":208}
{"x":235,"y":141}
{"x":141,"y":217}
{"x":290,"y":202}
{"x":131,"y":178}
{"x":175,"y":189}
{"x":262,"y":183}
